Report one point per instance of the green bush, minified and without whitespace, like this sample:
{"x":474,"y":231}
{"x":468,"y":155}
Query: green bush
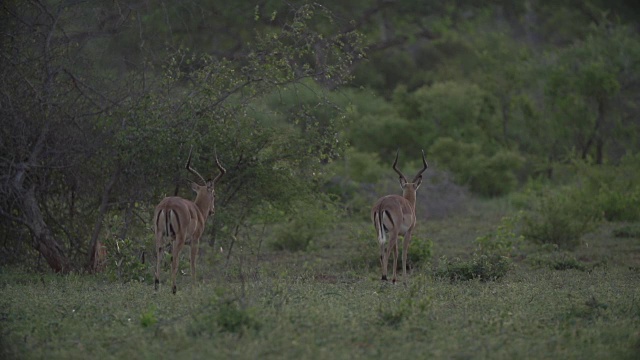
{"x":560,"y":216}
{"x":124,"y":262}
{"x":420,"y":251}
{"x":223,"y":315}
{"x":149,"y":318}
{"x":504,"y":240}
{"x":486,"y":175}
{"x":481,"y":266}
{"x":560,"y":260}
{"x":616,"y":188}
{"x":619,"y":205}
{"x":617,"y":193}
{"x":232,"y":318}
{"x":311,"y":222}
{"x":410,"y":307}
{"x":627,"y":231}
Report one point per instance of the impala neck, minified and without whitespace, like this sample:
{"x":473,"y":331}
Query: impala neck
{"x":203,"y":205}
{"x":410,"y":195}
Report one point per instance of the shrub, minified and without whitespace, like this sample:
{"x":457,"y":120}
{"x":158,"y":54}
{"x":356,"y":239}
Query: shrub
{"x":560,"y":217}
{"x":312,"y":221}
{"x":486,"y":174}
{"x":481,"y":266}
{"x":560,"y":260}
{"x":420,"y":251}
{"x":149,"y":318}
{"x":412,"y":306}
{"x":223,"y":315}
{"x":503,"y":241}
{"x":628,"y":231}
{"x":124,"y":262}
{"x":615,"y":188}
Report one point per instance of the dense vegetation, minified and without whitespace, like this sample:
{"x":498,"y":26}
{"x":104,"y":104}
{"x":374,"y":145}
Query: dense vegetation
{"x":527,"y":111}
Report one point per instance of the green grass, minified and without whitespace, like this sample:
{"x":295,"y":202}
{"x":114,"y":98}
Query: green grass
{"x":329,"y":303}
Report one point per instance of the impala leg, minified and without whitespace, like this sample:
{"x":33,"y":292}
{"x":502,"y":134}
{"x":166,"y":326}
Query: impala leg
{"x":383,"y":263}
{"x":390,"y":245}
{"x":158,"y":261}
{"x":395,"y":260}
{"x":175,"y":260}
{"x":194,"y":256}
{"x":405,"y":250}
{"x":393,"y":238}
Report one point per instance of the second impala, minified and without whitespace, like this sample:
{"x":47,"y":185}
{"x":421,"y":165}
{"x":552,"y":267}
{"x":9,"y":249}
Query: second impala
{"x":395,"y":215}
{"x":182,"y":222}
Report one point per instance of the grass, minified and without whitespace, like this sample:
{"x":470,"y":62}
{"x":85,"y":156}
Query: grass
{"x":329,"y":303}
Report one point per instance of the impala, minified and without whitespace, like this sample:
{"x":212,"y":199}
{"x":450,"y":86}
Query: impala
{"x":395,"y":215}
{"x":182,"y":222}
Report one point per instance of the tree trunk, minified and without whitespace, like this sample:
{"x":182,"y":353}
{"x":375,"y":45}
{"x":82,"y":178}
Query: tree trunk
{"x":43,"y":240}
{"x":104,"y":205}
{"x":596,"y":135}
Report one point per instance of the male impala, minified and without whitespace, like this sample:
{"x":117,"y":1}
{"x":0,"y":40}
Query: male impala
{"x":182,"y":222}
{"x":395,"y":215}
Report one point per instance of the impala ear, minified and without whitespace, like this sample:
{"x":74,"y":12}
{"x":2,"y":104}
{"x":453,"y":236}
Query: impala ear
{"x":418,"y":182}
{"x":403,"y":182}
{"x":195,"y":187}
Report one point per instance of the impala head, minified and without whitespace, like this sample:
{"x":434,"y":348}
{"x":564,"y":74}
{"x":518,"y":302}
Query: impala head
{"x":410,"y":187}
{"x":205,"y":194}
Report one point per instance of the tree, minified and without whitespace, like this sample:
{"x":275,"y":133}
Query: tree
{"x":48,"y":98}
{"x":591,"y":91}
{"x":82,"y":139}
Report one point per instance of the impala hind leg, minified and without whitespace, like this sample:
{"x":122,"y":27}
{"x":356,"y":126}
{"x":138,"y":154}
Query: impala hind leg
{"x":175,"y":260}
{"x":395,"y":260}
{"x":194,"y":256}
{"x":390,"y":246}
{"x":405,"y":250}
{"x":158,"y":261}
{"x":383,"y":263}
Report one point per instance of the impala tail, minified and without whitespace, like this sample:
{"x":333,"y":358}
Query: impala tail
{"x":379,"y":219}
{"x":168,"y":223}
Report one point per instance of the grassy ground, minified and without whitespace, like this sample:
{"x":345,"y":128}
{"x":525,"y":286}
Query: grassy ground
{"x":329,"y":303}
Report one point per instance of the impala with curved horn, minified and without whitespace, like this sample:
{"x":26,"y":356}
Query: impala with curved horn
{"x":395,"y":215}
{"x":182,"y":222}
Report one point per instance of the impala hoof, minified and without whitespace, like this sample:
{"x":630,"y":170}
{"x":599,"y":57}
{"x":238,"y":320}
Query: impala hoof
{"x":384,"y":277}
{"x":157,"y":282}
{"x":174,"y":289}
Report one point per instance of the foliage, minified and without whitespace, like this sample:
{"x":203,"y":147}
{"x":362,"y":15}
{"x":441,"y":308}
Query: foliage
{"x":109,"y":129}
{"x":487,"y":175}
{"x":124,"y":257}
{"x":585,"y":81}
{"x":462,"y":111}
{"x":504,"y":240}
{"x":558,"y":260}
{"x":483,"y":267}
{"x":299,"y":305}
{"x":628,"y":231}
{"x":560,"y":216}
{"x":149,"y":317}
{"x":409,"y":307}
{"x":223,"y":315}
{"x":124,"y":261}
{"x":616,"y":191}
{"x":312,"y":223}
{"x":353,"y":182}
{"x":420,"y":251}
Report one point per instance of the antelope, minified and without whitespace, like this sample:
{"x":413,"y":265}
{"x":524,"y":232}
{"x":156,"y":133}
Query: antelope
{"x":182,"y":222}
{"x":395,"y":215}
